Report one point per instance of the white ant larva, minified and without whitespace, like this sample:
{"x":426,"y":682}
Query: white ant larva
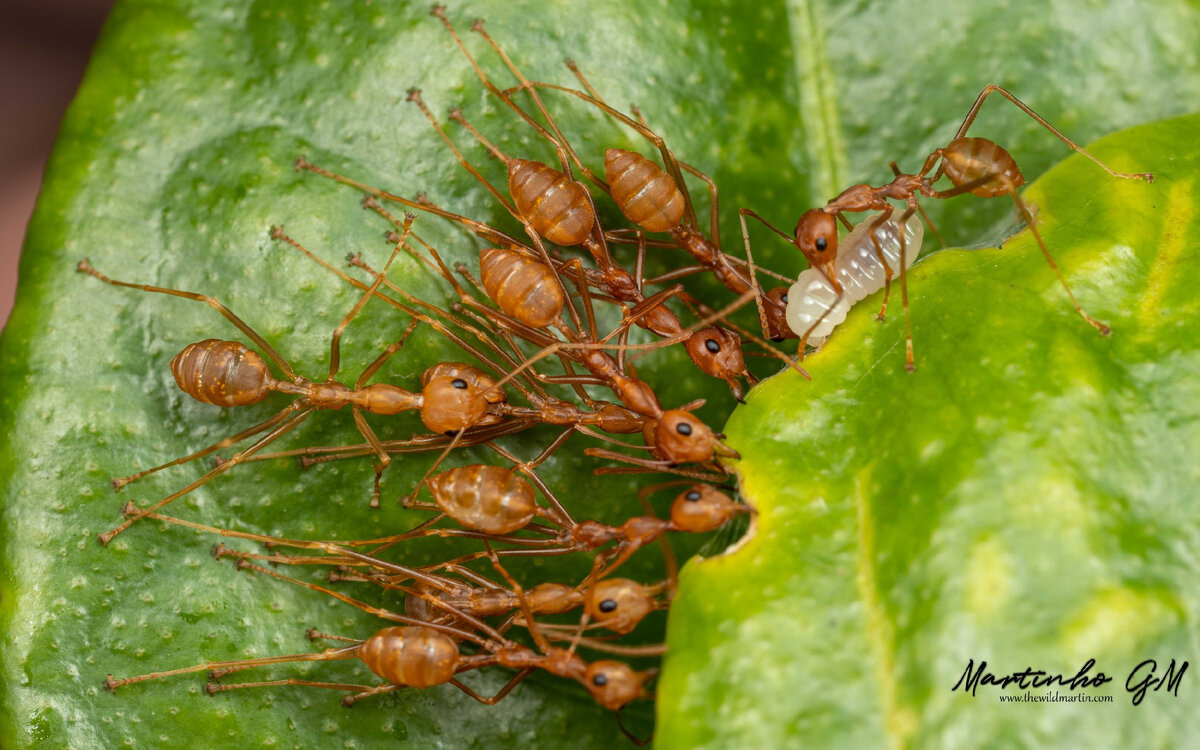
{"x":859,"y":271}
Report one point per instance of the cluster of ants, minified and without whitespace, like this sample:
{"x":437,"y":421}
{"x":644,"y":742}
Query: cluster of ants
{"x":530,"y":305}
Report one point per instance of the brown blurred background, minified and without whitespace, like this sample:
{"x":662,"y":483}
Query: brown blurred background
{"x":44,"y":46}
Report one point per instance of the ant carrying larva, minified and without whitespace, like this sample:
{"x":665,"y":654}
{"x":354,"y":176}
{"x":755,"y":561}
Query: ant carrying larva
{"x":973,"y":165}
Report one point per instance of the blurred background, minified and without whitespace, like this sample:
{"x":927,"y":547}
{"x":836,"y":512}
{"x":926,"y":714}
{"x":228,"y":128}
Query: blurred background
{"x":44,"y":46}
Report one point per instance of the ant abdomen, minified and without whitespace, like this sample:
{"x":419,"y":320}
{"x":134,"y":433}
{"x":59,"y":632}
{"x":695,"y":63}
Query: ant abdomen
{"x":645,"y":193}
{"x":485,"y":498}
{"x":557,"y":207}
{"x":858,"y":270}
{"x":968,"y":159}
{"x":523,"y":287}
{"x":413,"y":656}
{"x":222,"y":373}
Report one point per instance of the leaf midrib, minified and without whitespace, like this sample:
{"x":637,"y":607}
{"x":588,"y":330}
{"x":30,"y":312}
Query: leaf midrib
{"x":817,"y":105}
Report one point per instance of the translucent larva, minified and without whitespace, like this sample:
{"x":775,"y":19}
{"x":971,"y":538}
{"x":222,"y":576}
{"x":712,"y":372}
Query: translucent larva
{"x":859,"y":271}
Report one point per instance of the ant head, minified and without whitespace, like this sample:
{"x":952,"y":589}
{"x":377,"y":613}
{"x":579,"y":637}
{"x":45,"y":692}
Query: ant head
{"x":703,"y":508}
{"x":477,"y":380}
{"x":680,"y":437}
{"x":816,"y":236}
{"x":718,"y":352}
{"x":775,"y":307}
{"x":450,"y":404}
{"x":614,"y":685}
{"x":619,"y":604}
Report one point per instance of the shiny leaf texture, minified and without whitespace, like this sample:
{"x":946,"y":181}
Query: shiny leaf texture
{"x":1025,"y":498}
{"x":175,"y":160}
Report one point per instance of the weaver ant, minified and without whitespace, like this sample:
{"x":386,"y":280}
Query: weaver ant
{"x":973,"y":165}
{"x":655,"y":199}
{"x":420,"y":653}
{"x":453,"y":397}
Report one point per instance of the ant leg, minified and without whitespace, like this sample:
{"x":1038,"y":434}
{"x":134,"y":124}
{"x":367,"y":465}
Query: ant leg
{"x":372,"y":440}
{"x":335,"y":343}
{"x":504,"y":691}
{"x":991,"y":87}
{"x":454,"y":441}
{"x":215,"y":687}
{"x":228,"y":442}
{"x":84,"y":266}
{"x":527,"y":468}
{"x":769,"y":225}
{"x":910,"y":362}
{"x":526,"y":609}
{"x":675,"y":274}
{"x":372,"y":368}
{"x":484,"y":231}
{"x":645,"y":465}
{"x":414,"y":96}
{"x":758,"y":294}
{"x":303,"y":411}
{"x":350,"y":700}
{"x":714,"y":220}
{"x":888,"y":273}
{"x":1029,"y":222}
{"x":380,"y":612}
{"x":560,"y":143}
{"x":345,"y":652}
{"x":576,"y":265}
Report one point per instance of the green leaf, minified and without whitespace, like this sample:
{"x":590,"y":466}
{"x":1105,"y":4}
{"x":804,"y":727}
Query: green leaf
{"x":1025,"y":498}
{"x":176,"y":158}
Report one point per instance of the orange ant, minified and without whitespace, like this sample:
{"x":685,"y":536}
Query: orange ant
{"x":551,"y":203}
{"x":654,"y":199}
{"x":714,"y":350}
{"x":674,"y":435}
{"x":973,"y":165}
{"x":524,"y":289}
{"x":454,"y":396}
{"x":422,"y":654}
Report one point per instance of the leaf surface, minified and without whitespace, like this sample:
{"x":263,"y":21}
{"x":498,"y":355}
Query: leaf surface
{"x":174,"y":161}
{"x":1026,"y":498}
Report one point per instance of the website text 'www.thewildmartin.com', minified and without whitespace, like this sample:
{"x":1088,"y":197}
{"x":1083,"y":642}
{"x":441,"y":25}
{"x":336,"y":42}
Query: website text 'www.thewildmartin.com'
{"x":1054,"y":697}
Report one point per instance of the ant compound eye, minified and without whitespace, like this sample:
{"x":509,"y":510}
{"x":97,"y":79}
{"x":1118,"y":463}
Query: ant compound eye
{"x":712,"y":346}
{"x":608,"y":605}
{"x":821,"y":244}
{"x":600,"y":680}
{"x":683,"y":428}
{"x":459,"y":383}
{"x":783,"y":298}
{"x":693,"y":495}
